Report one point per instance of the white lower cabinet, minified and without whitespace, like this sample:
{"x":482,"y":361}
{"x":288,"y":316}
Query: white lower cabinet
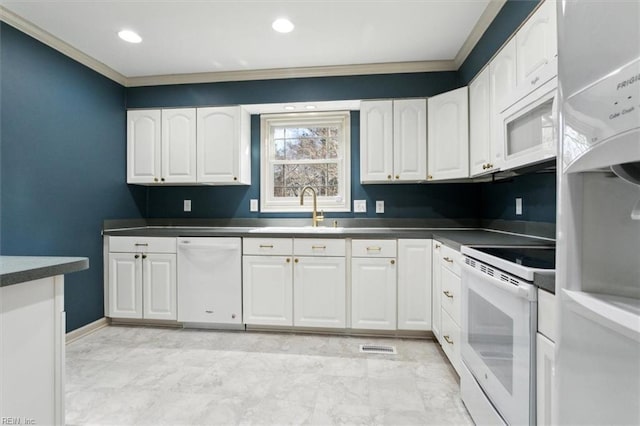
{"x":545,"y":372}
{"x":142,"y":284}
{"x":414,"y":284}
{"x":267,"y":288}
{"x":451,"y":340}
{"x":319,"y":292}
{"x":436,"y":305}
{"x":447,"y":264}
{"x":373,"y":293}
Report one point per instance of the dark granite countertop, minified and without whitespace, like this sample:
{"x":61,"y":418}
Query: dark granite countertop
{"x":18,"y":269}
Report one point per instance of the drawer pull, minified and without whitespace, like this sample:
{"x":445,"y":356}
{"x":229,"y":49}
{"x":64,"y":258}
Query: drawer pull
{"x":318,"y":247}
{"x":448,"y":339}
{"x":437,"y":246}
{"x":448,"y":294}
{"x":448,"y":259}
{"x":374,"y":248}
{"x":141,"y":244}
{"x":209,"y":311}
{"x":266,"y":245}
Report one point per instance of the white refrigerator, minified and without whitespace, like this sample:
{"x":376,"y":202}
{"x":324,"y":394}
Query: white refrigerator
{"x":597,"y":370}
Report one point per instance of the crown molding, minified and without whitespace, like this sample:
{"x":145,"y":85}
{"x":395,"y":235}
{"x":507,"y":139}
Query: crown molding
{"x":489,"y":14}
{"x":302,"y":72}
{"x":61,"y":46}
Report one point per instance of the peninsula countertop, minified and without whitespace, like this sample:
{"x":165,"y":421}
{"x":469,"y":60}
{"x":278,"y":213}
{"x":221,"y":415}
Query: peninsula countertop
{"x":19,"y":269}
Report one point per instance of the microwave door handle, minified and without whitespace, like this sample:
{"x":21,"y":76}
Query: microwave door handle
{"x":516,"y":290}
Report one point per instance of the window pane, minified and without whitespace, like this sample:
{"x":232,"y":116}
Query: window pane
{"x":333,"y":148}
{"x":289,"y":179}
{"x":279,"y":149}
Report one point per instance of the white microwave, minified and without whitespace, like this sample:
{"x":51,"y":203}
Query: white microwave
{"x":528,"y":128}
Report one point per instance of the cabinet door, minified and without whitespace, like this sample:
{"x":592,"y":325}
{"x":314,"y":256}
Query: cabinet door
{"x":537,"y":49}
{"x":414,"y":284}
{"x":267,"y":290}
{"x":502,"y":73}
{"x":218,"y":144}
{"x":319,"y":292}
{"x":449,"y":135}
{"x":143,"y":146}
{"x":373,"y":293}
{"x":376,"y":141}
{"x":480,"y":152}
{"x":545,"y":372}
{"x":125,"y":285}
{"x":436,"y":276}
{"x":159,"y":286}
{"x":179,"y":145}
{"x":410,"y":140}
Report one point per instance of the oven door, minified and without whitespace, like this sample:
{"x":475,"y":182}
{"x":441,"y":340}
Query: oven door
{"x":498,"y":326}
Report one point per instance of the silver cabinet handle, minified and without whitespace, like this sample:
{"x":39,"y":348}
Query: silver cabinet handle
{"x":141,"y":244}
{"x":374,"y":248}
{"x":318,"y":247}
{"x":448,"y":294}
{"x":448,"y":259}
{"x":266,"y":245}
{"x":448,"y":339}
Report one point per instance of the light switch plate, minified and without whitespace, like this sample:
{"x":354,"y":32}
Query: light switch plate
{"x":359,"y":206}
{"x":518,"y":206}
{"x":187,"y":205}
{"x":253,"y":205}
{"x":380,"y":206}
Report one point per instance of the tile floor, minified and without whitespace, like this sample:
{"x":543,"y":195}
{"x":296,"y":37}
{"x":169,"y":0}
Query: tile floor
{"x":142,"y":375}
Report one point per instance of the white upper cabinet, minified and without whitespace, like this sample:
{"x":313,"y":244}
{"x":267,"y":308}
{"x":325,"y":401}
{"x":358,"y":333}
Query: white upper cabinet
{"x":449,"y":135}
{"x":502,"y":71}
{"x":224,"y":149}
{"x":393,"y":141}
{"x":143,"y":146}
{"x":410,"y":139}
{"x":482,"y":154}
{"x":537,"y":49}
{"x":178,"y":145}
{"x":376,"y":141}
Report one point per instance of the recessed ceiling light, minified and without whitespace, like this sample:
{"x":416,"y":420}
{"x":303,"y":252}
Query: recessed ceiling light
{"x":282,"y":25}
{"x":310,"y":107}
{"x":289,"y":107}
{"x":129,"y":36}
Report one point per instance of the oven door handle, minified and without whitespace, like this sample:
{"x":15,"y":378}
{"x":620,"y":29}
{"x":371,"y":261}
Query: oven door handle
{"x":522,"y":291}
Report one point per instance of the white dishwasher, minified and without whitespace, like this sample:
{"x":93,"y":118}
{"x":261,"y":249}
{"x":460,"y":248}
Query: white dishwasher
{"x":210,"y":280}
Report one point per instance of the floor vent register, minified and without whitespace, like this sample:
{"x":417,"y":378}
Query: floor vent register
{"x":378,"y":349}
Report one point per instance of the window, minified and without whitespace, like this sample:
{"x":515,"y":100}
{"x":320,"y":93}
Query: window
{"x":305,"y":149}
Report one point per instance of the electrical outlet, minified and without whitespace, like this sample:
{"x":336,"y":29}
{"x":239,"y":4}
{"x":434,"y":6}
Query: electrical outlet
{"x":187,"y":205}
{"x":380,"y":206}
{"x":253,"y":205}
{"x":359,"y":206}
{"x":518,"y":206}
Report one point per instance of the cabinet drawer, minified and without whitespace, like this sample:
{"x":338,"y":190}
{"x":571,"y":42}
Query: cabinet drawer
{"x":142,"y":244}
{"x":547,"y":314}
{"x":451,"y":340}
{"x":450,"y":296}
{"x":451,"y":259}
{"x":267,"y":246}
{"x":319,"y":247}
{"x":373,"y":248}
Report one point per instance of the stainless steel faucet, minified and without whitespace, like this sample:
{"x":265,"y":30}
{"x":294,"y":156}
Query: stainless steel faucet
{"x":316,"y":217}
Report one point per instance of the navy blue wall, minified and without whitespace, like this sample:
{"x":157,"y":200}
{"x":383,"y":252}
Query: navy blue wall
{"x":63,"y":163}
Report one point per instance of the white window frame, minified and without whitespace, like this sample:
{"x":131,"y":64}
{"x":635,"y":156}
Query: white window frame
{"x":268,"y":203}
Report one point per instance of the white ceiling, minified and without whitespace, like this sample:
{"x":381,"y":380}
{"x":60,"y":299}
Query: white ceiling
{"x":184,"y":37}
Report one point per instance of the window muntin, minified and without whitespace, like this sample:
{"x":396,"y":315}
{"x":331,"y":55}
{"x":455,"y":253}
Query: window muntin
{"x":305,"y":149}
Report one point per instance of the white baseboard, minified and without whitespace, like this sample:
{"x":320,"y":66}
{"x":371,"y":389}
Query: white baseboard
{"x":86,"y":330}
